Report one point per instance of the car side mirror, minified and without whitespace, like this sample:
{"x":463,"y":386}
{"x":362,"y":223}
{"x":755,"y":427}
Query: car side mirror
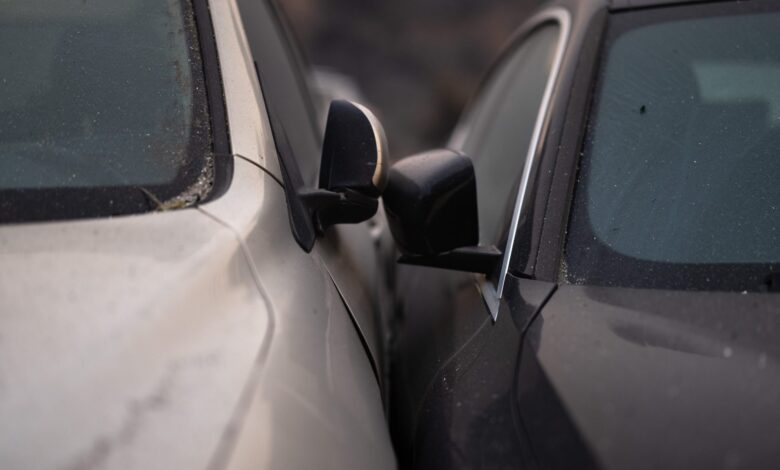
{"x":353,"y":173}
{"x":431,"y":206}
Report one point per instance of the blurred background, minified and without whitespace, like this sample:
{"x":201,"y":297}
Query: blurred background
{"x":415,"y":62}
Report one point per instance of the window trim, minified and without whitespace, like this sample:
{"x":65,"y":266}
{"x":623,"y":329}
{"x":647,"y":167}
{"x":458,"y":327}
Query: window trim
{"x":492,"y":295}
{"x":215,"y":99}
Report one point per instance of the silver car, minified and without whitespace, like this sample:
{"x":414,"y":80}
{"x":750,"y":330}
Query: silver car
{"x":181,"y":286}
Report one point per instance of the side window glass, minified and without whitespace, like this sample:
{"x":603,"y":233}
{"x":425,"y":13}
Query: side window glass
{"x":284,"y":86}
{"x":500,"y":127}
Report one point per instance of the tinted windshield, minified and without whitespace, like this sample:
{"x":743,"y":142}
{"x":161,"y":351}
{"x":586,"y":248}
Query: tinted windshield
{"x":96,"y":97}
{"x":678,"y":182}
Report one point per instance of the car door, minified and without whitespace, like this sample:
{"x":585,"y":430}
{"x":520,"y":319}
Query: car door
{"x":457,"y":343}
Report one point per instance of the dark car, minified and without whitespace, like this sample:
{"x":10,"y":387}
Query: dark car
{"x":598,"y":258}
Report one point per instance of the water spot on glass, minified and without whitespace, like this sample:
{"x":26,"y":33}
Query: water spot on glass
{"x":762,"y":361}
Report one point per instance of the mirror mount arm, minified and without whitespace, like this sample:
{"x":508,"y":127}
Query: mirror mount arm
{"x":327,"y":208}
{"x":317,"y":199}
{"x":473,"y":259}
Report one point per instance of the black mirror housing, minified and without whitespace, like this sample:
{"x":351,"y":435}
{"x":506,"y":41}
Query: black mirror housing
{"x":352,"y":173}
{"x":431,"y":206}
{"x":354,"y":151}
{"x":431,"y":203}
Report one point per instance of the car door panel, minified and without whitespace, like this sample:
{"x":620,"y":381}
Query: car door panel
{"x":457,"y":373}
{"x":455,"y":379}
{"x":438,"y":313}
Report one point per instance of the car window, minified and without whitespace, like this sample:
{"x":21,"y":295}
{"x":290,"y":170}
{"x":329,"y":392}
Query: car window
{"x":285,"y":88}
{"x":678,"y":182}
{"x":501,"y":124}
{"x":101,"y":104}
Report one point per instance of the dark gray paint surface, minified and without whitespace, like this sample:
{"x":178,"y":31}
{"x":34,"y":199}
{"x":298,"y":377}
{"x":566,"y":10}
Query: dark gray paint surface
{"x":455,"y":373}
{"x":665,"y":379}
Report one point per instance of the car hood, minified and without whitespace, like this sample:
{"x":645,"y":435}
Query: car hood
{"x":124,"y":342}
{"x":661,"y":379}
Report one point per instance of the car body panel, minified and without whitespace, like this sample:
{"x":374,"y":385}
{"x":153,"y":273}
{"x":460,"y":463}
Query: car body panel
{"x":318,"y":384}
{"x":435,"y":330}
{"x":454,"y":372}
{"x":662,"y":379}
{"x":116,"y":333}
{"x":182,"y":340}
{"x":314,"y":384}
{"x":351,"y":257}
{"x":252,"y":139}
{"x":250,"y":131}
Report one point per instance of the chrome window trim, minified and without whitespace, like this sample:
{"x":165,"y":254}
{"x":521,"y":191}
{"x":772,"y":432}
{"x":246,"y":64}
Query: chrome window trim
{"x":492,"y":295}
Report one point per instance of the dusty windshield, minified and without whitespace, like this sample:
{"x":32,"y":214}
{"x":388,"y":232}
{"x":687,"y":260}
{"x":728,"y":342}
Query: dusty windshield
{"x":99,"y":95}
{"x":678,"y":183}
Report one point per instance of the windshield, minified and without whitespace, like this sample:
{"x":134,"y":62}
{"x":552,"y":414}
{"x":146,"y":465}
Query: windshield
{"x":102,"y":107}
{"x":678,"y":184}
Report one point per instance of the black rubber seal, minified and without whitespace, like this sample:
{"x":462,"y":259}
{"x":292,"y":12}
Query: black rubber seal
{"x":215,"y":96}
